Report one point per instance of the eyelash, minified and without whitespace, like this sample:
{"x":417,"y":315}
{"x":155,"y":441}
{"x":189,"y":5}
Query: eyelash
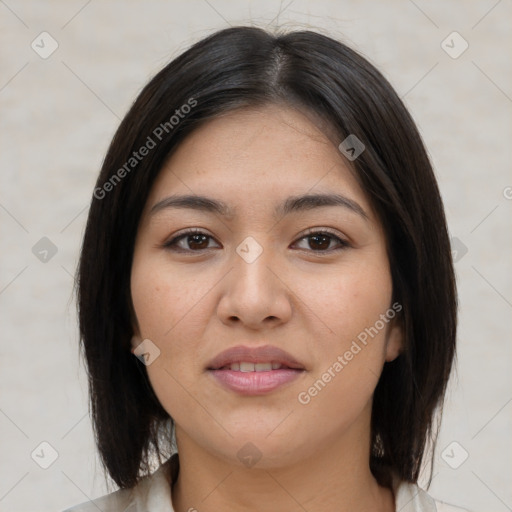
{"x":343,"y":244}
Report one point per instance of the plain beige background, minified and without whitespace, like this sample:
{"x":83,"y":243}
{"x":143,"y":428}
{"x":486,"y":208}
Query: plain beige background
{"x":58,"y":115}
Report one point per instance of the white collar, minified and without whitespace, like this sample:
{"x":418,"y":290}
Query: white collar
{"x":411,"y":498}
{"x":153,"y":494}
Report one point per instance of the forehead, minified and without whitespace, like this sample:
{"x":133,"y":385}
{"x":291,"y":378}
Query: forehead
{"x":257,"y":156}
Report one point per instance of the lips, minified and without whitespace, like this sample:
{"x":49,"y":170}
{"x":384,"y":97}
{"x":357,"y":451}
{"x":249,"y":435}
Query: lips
{"x":254,"y":370}
{"x":259,"y":359}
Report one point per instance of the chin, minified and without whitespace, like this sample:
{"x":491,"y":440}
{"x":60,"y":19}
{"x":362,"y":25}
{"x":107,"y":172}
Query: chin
{"x":257,"y":450}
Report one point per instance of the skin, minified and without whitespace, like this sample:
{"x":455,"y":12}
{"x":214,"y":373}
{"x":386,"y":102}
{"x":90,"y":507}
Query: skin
{"x":304,"y":297}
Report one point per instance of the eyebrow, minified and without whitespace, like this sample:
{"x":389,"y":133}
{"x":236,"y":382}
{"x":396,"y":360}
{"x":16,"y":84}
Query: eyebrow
{"x":292,"y":204}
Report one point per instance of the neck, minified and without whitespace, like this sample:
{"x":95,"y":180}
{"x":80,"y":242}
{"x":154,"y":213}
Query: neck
{"x":335,"y":477}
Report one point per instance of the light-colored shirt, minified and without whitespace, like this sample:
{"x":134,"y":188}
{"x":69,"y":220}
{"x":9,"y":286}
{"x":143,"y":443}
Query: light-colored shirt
{"x":153,"y":494}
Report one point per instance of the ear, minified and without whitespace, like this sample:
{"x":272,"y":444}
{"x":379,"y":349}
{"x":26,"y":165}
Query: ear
{"x":135,"y":342}
{"x":136,"y":337}
{"x":395,"y":340}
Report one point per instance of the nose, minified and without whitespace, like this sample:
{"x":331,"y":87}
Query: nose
{"x":254,"y":294}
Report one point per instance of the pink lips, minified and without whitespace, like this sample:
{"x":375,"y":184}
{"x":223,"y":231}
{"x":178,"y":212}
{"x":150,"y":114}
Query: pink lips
{"x":228,"y":369}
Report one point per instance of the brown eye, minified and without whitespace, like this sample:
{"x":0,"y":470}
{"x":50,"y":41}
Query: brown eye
{"x":197,"y":241}
{"x":319,"y":242}
{"x":191,"y":241}
{"x":323,"y":242}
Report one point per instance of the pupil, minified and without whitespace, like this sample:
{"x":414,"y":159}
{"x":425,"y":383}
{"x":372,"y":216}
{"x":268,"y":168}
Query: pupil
{"x":322,"y":240}
{"x":196,"y":240}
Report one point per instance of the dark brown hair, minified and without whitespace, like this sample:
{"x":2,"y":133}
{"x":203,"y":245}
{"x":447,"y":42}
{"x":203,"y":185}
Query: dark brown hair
{"x":235,"y":68}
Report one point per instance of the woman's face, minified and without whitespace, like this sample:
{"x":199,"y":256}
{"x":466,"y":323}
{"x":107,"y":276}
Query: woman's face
{"x":272,"y":273}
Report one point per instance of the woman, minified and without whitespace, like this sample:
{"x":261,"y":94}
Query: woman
{"x":266,"y":294}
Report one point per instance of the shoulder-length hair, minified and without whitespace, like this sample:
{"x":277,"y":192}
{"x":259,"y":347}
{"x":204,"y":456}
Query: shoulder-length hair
{"x":242,"y":67}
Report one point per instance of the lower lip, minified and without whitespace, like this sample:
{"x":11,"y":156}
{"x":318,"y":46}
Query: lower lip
{"x":255,"y":383}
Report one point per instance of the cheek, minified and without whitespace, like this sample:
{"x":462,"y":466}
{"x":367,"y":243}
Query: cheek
{"x":351,"y":354}
{"x":171,"y":310}
{"x":347,"y":303}
{"x":164,"y":300}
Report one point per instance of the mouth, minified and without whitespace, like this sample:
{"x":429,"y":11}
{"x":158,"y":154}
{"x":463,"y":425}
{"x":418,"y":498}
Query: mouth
{"x":254,"y":370}
{"x":249,"y":359}
{"x":247,"y":366}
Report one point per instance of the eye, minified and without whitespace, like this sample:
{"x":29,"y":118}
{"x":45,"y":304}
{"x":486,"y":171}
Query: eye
{"x":192,"y":240}
{"x":195,"y":240}
{"x":322,"y":241}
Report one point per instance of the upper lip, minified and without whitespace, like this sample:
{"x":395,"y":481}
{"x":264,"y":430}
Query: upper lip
{"x":263,"y":354}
